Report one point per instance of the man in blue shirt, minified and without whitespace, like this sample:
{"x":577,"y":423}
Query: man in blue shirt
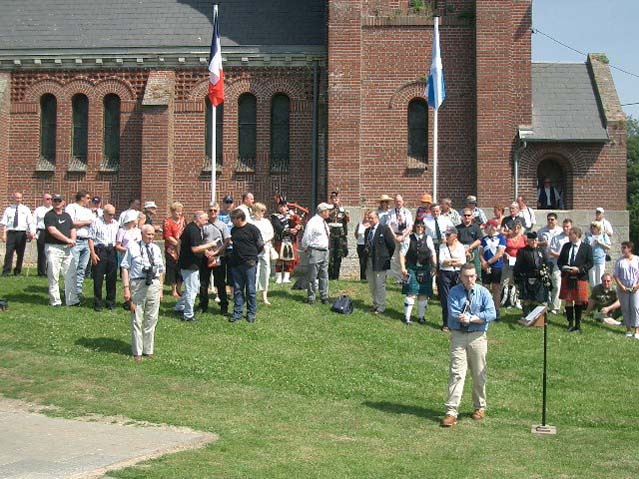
{"x":470,"y":308}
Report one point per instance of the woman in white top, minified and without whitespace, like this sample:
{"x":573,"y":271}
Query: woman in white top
{"x":264,"y":258}
{"x":452,"y":255}
{"x":128,"y":233}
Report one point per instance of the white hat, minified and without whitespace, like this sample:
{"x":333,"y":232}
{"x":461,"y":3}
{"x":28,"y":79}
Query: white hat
{"x":131,"y":215}
{"x":324,"y":207}
{"x":150,"y":204}
{"x":600,"y":210}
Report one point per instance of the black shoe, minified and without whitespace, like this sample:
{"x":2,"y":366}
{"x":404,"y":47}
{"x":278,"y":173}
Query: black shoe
{"x":97,"y":308}
{"x":190,"y":320}
{"x":74,"y":305}
{"x":325,"y":301}
{"x":201,"y":310}
{"x":250,"y":320}
{"x":235,"y":320}
{"x":572,"y":329}
{"x":421,"y":321}
{"x":309,"y":301}
{"x":110,"y":307}
{"x":224,"y":312}
{"x":6,"y":274}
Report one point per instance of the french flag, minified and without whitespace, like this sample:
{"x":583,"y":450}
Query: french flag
{"x":216,"y":75}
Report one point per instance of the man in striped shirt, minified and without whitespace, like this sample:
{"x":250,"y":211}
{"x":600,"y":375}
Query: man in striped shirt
{"x":102,"y":235}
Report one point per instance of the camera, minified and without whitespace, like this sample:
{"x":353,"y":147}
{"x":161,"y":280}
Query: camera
{"x":149,"y":274}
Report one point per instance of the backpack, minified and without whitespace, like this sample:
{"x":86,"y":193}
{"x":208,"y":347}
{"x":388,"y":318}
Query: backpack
{"x":343,"y":305}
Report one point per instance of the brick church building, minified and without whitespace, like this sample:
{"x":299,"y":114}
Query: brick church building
{"x":320,"y":95}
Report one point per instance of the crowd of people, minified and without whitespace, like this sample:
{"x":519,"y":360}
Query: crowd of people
{"x":240,"y":247}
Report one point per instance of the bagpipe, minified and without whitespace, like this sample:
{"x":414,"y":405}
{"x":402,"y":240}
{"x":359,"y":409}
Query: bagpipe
{"x":298,"y":217}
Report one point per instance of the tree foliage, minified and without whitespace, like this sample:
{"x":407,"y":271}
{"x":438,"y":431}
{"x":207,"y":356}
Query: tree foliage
{"x":632,"y":126}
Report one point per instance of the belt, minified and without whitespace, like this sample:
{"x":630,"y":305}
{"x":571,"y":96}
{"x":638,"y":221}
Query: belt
{"x":318,"y":249}
{"x":143,"y":279}
{"x":82,"y":239}
{"x":16,"y":231}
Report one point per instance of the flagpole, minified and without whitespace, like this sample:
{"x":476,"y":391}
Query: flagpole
{"x":435,"y":133}
{"x":435,"y":93}
{"x":213,"y":150}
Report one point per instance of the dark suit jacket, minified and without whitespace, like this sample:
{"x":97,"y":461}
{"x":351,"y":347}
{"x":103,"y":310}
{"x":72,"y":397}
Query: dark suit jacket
{"x":382,"y":248}
{"x":583,"y":259}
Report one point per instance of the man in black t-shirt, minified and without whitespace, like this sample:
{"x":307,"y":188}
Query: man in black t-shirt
{"x":247,"y":244}
{"x":58,"y":242}
{"x":192,"y":248}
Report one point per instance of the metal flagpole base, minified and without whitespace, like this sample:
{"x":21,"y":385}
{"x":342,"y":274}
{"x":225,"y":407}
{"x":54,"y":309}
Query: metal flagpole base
{"x":544,"y":430}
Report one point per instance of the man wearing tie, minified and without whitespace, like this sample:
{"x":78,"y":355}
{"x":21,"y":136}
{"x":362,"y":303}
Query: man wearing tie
{"x":17,"y":221}
{"x":574,"y":262}
{"x":142,"y":272}
{"x":470,"y":308}
{"x":379,"y":249}
{"x":102,"y":235}
{"x":315,"y":243}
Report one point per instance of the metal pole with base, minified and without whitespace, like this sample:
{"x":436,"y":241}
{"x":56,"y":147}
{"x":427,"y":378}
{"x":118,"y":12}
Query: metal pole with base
{"x":543,"y":428}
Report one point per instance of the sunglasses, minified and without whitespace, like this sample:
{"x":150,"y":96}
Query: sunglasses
{"x":213,"y":210}
{"x":57,"y":201}
{"x":468,"y":216}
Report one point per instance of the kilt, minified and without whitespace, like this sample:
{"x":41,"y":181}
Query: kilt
{"x":573,"y":289}
{"x":415,"y":288}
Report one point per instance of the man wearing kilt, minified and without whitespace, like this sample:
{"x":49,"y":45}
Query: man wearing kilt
{"x":532,"y":274}
{"x":575,"y":259}
{"x":418,"y":264}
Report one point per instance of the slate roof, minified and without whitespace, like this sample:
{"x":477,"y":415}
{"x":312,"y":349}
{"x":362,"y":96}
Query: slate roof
{"x":46,"y":25}
{"x":565,"y":104}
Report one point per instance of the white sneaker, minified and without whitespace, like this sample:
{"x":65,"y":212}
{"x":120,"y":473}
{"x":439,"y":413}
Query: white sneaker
{"x":629,"y":334}
{"x":636,"y":336}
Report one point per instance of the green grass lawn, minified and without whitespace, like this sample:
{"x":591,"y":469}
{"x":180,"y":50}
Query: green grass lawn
{"x":306,"y":393}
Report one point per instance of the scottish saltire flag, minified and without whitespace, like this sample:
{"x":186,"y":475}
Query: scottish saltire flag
{"x":216,"y":75}
{"x":436,"y":87}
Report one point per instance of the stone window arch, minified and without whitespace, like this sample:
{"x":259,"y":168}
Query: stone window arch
{"x":80,"y":127}
{"x":247,"y":131}
{"x":553,"y":168}
{"x":417,"y":127}
{"x":280,"y":132}
{"x":48,"y":128}
{"x":111,"y":130}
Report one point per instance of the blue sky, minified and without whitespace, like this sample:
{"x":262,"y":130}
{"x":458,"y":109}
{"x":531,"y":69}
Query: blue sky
{"x":592,"y":26}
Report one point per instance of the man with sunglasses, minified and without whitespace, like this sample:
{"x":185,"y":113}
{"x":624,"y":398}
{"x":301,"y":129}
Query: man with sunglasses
{"x":214,"y":231}
{"x":59,"y":242}
{"x":102,"y":238}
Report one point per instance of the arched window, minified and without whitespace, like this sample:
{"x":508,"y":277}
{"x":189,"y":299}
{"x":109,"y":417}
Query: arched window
{"x":111,"y":133}
{"x":280,"y":132}
{"x":48,"y":127}
{"x":418,"y":129}
{"x":80,"y":127}
{"x":247,"y":128}
{"x":219,"y":131}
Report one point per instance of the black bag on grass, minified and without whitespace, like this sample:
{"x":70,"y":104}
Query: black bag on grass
{"x":343,"y":305}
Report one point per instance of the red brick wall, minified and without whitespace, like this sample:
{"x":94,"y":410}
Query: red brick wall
{"x":5,"y":80}
{"x":168,"y":143}
{"x":24,"y":142}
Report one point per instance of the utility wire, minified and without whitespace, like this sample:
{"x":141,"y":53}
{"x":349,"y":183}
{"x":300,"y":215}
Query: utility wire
{"x":536,"y":30}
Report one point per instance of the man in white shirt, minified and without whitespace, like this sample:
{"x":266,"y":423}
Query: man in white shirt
{"x":248,"y":200}
{"x":17,"y":222}
{"x":400,"y":222}
{"x":102,"y":238}
{"x":38,"y":222}
{"x":556,"y":243}
{"x":436,"y":226}
{"x":82,"y":217}
{"x":315,"y":243}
